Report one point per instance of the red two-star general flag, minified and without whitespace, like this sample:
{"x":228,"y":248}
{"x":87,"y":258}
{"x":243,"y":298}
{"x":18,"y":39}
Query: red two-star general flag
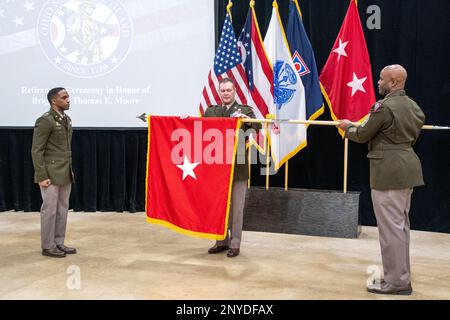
{"x":189,"y":174}
{"x":347,"y":77}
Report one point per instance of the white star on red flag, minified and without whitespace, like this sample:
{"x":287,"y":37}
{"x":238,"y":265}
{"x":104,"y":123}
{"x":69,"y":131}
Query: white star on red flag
{"x":341,"y":49}
{"x":353,"y":71}
{"x":357,"y":84}
{"x":188,"y":168}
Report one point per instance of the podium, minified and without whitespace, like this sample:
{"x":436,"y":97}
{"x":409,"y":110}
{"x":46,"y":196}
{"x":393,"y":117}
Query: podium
{"x":303,"y":211}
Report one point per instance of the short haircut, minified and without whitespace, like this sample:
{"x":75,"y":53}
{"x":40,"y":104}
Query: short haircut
{"x":53,"y":92}
{"x":226,"y":80}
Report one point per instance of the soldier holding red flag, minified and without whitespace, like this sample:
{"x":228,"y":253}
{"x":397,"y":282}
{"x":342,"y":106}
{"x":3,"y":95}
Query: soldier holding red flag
{"x":393,"y":126}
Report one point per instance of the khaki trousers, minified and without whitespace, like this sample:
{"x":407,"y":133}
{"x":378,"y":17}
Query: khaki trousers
{"x":236,"y":218}
{"x":392,"y":212}
{"x":54,"y":214}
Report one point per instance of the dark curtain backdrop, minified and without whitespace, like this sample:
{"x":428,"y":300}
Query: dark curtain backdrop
{"x":109,"y":168}
{"x":110,"y":164}
{"x":414,"y":33}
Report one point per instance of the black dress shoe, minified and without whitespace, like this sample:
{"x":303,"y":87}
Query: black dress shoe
{"x":378,"y":281}
{"x":67,"y":250}
{"x":54,"y":253}
{"x":233,"y":253}
{"x":386,"y":288}
{"x":217,"y":249}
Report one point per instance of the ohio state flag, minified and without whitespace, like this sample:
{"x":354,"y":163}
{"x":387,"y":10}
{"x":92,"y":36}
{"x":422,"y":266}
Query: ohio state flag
{"x":190,"y":166}
{"x":347,"y":76}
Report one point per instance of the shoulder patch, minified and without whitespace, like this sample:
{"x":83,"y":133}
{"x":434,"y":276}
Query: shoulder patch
{"x":377,"y":107}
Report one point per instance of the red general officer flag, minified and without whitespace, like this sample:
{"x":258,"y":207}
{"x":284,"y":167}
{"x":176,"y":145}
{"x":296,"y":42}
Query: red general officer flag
{"x":347,"y":77}
{"x":189,"y":174}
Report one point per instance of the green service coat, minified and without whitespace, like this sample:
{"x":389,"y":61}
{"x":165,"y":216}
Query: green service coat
{"x":392,"y":127}
{"x":241,"y":166}
{"x":51,"y":148}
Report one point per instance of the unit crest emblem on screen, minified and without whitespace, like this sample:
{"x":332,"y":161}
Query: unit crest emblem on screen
{"x":85,"y":38}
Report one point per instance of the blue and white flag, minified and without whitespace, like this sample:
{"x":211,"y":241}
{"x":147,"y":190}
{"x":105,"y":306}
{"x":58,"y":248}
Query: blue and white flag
{"x":289,"y":94}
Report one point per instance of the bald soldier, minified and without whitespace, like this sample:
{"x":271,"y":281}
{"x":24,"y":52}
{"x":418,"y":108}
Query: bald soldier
{"x":391,"y":128}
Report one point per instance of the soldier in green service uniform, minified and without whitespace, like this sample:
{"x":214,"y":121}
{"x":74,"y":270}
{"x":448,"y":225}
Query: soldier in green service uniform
{"x":230,"y":108}
{"x":392,"y":127}
{"x":52,"y":161}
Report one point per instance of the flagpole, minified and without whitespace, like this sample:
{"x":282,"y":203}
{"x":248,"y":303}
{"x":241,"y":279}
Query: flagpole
{"x":315,"y":122}
{"x":431,"y":127}
{"x":345,"y":163}
{"x":331,"y":123}
{"x":249,"y":165}
{"x":286,"y":175}
{"x":266,"y":148}
{"x":267,"y":169}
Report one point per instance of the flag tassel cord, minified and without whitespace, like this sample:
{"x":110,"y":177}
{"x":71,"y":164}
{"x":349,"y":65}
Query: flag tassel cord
{"x":328,"y":123}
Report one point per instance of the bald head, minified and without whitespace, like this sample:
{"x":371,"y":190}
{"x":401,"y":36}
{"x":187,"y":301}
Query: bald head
{"x":397,"y":72}
{"x":392,"y":78}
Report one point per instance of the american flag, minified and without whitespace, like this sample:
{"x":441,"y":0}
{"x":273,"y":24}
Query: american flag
{"x":158,"y":29}
{"x":257,"y":68}
{"x":227,"y":64}
{"x":19,"y":43}
{"x":249,"y":68}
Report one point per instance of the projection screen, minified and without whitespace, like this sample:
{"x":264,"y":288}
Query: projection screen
{"x":118,"y":59}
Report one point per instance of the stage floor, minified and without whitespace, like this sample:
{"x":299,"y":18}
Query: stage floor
{"x":121,"y":256}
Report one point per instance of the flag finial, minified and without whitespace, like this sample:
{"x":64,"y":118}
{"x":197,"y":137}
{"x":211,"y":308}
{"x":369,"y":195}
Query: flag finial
{"x":229,"y":5}
{"x":298,"y":8}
